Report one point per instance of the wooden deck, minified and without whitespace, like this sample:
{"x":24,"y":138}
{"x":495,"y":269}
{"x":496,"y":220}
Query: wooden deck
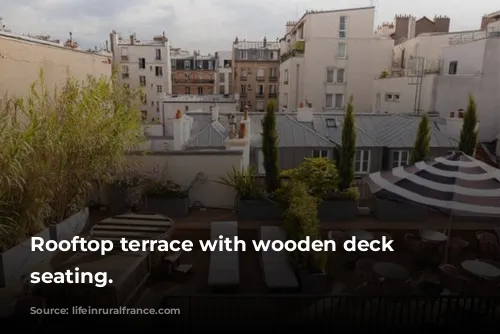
{"x":200,"y":220}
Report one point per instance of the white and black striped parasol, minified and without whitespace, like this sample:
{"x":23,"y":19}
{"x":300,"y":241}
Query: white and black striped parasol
{"x":458,"y":184}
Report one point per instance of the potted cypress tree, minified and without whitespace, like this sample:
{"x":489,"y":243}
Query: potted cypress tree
{"x":468,"y":134}
{"x":342,"y":204}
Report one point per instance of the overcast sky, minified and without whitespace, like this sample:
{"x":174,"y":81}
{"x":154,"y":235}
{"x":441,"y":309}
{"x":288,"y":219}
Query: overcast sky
{"x":207,"y":25}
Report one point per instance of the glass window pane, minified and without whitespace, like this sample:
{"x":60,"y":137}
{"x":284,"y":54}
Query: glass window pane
{"x":358,"y":155}
{"x":357,"y":166}
{"x":365,"y":166}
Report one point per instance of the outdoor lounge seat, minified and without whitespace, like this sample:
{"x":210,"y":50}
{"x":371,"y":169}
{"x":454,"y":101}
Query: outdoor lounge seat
{"x":278,"y":273}
{"x":224,"y":266}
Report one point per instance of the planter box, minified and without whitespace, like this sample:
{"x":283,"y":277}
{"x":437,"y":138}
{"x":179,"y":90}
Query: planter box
{"x":262,"y":210}
{"x":70,"y":227}
{"x":313,"y":283}
{"x":121,"y":199}
{"x":20,"y":260}
{"x":167,"y":206}
{"x":329,"y":211}
{"x":397,"y":211}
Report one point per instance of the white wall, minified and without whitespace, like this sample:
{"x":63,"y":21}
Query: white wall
{"x":403,"y":86}
{"x":22,"y":58}
{"x":321,"y":35}
{"x":453,"y":90}
{"x":182,"y":168}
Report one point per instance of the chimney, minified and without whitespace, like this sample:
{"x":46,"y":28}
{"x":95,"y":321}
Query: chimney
{"x":132,"y":39}
{"x":182,"y":125}
{"x":289,"y":26}
{"x":265,"y":42}
{"x":242,"y":142}
{"x":305,"y":114}
{"x":215,"y":114}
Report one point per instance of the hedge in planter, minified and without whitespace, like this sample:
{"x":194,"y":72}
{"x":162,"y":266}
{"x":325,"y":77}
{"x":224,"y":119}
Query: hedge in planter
{"x":125,"y":191}
{"x":301,"y":221}
{"x":66,"y":140}
{"x":166,"y":198}
{"x":340,"y":206}
{"x":253,"y":204}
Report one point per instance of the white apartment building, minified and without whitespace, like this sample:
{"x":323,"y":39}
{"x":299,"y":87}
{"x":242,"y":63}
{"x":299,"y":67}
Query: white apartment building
{"x":329,"y":55}
{"x":437,"y":72}
{"x":145,"y":65}
{"x":223,"y":67}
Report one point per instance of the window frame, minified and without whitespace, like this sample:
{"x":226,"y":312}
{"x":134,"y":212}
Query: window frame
{"x":364,"y":153}
{"x":400,"y":162}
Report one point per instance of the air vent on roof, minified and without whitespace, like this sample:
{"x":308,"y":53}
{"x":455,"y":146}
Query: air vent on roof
{"x":331,"y":123}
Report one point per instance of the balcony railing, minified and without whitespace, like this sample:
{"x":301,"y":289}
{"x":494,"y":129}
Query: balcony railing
{"x":259,"y":95}
{"x":273,"y":95}
{"x":474,"y":36}
{"x":273,"y":78}
{"x":124,"y":58}
{"x":260,"y":78}
{"x":298,"y":48}
{"x":195,"y":81}
{"x":125,"y":75}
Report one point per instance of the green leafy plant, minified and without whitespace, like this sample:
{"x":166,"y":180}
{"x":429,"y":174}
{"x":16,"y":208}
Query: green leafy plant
{"x":243,"y":181}
{"x":54,"y":144}
{"x":270,"y":148}
{"x":318,"y":174}
{"x":348,"y":148}
{"x":159,"y":184}
{"x":350,"y":194}
{"x":422,"y":142}
{"x":468,"y":134}
{"x":384,"y":75}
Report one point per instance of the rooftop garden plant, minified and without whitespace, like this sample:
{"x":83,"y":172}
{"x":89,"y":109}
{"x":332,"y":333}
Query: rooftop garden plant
{"x":54,"y":144}
{"x":244,"y":182}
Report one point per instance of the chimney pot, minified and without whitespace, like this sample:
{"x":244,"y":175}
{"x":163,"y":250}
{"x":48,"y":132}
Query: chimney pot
{"x":301,"y":104}
{"x":132,"y":39}
{"x":178,"y":114}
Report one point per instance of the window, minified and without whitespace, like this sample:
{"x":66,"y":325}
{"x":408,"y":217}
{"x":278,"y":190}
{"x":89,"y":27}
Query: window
{"x":320,"y":154}
{"x":158,"y":71}
{"x":342,"y":50}
{"x":142,"y":63}
{"x":188,"y":90}
{"x":200,"y":90}
{"x":331,"y":123}
{"x":453,"y":67}
{"x":210,"y":65}
{"x":187,"y":64}
{"x":400,"y":158}
{"x":260,"y":90}
{"x":329,"y":101}
{"x":222,"y":77}
{"x":159,"y":88}
{"x":339,"y":101}
{"x":158,"y":54}
{"x":285,"y":100}
{"x":200,"y":64}
{"x":173,"y":64}
{"x":243,"y":54}
{"x":144,"y":98}
{"x":243,"y":74}
{"x":260,"y":74}
{"x":142,"y":80}
{"x":271,"y":55}
{"x":343,"y":27}
{"x":260,"y":105}
{"x":285,"y":79}
{"x":144,"y":114}
{"x":340,"y":75}
{"x":243,"y":90}
{"x":272,"y":89}
{"x":273,"y":72}
{"x":222,"y":89}
{"x":392,"y":97}
{"x":329,"y":75}
{"x":260,"y":54}
{"x":362,"y":161}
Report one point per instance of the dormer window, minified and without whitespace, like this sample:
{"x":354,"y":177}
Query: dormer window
{"x":331,"y":123}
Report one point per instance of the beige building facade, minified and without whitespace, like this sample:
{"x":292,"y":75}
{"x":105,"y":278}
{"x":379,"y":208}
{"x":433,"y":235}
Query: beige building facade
{"x":255,"y":71}
{"x":22,"y":58}
{"x":327,"y":56}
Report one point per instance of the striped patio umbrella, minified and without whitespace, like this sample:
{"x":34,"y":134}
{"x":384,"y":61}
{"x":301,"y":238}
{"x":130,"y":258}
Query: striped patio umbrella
{"x":457,"y":184}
